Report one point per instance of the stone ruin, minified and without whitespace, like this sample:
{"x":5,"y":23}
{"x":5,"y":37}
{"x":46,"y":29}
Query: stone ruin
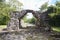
{"x":42,"y":31}
{"x":16,"y":16}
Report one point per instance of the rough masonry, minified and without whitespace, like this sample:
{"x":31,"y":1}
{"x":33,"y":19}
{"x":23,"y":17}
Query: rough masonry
{"x":16,"y":16}
{"x":42,"y":32}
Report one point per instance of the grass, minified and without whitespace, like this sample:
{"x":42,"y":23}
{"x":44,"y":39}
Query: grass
{"x":54,"y":28}
{"x":2,"y":27}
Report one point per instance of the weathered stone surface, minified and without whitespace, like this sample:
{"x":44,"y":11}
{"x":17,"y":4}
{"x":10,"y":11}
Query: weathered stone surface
{"x":14,"y":22}
{"x":16,"y":16}
{"x":26,"y":35}
{"x":42,"y":32}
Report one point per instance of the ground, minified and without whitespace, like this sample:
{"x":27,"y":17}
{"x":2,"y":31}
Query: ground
{"x":2,"y":27}
{"x":54,"y":28}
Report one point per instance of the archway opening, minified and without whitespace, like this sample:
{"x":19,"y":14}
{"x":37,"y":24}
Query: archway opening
{"x":28,"y":21}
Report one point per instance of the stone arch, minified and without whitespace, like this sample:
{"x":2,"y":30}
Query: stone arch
{"x":16,"y":17}
{"x":24,"y":12}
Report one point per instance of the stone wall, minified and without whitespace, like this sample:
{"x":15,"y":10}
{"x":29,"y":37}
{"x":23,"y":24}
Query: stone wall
{"x":16,"y":16}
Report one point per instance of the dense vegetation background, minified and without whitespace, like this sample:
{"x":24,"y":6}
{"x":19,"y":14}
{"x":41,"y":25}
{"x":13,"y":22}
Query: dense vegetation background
{"x":13,"y":5}
{"x":54,"y":13}
{"x":6,"y":7}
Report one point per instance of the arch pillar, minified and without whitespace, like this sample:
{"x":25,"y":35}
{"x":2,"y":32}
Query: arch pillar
{"x":14,"y":22}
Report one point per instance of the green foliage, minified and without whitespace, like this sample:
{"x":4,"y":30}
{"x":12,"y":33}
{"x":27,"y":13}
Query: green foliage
{"x":5,"y":8}
{"x":25,"y":18}
{"x":2,"y":0}
{"x":55,"y":21}
{"x":16,"y":4}
{"x":44,"y":6}
{"x":52,"y":9}
{"x":31,"y":20}
{"x":58,"y":3}
{"x":55,"y":15}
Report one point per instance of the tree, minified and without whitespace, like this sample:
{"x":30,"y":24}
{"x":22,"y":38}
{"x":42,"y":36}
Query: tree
{"x":58,"y":3}
{"x":54,"y":13}
{"x":32,"y":20}
{"x":5,"y":8}
{"x":16,"y":4}
{"x":44,"y":6}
